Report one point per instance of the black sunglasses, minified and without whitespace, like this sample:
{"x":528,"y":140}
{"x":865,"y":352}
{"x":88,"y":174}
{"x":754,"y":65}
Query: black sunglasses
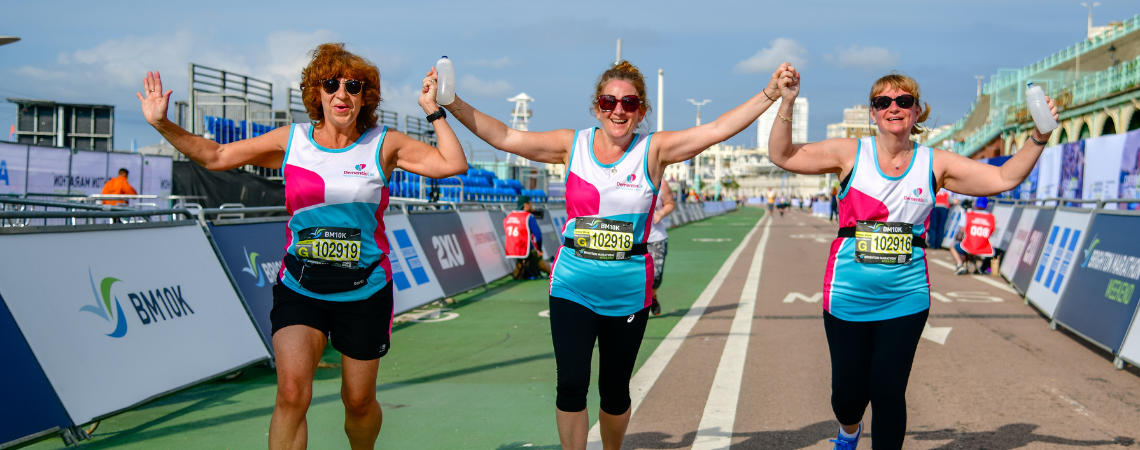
{"x":352,"y":87}
{"x":629,"y":103}
{"x":882,"y":102}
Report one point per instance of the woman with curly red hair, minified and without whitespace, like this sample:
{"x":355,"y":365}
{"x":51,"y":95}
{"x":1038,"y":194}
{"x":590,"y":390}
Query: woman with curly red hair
{"x":335,"y":284}
{"x":601,"y":283}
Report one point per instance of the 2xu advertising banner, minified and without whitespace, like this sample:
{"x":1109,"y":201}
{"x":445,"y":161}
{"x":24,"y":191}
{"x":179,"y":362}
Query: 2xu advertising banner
{"x":127,"y":315}
{"x":13,"y":172}
{"x":1017,"y":243}
{"x":253,"y":252}
{"x":1032,"y":250}
{"x":1057,"y":259}
{"x":1100,"y":300}
{"x":450,"y":256}
{"x":484,"y":243}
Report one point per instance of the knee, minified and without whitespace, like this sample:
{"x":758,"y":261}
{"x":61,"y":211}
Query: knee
{"x":572,"y":393}
{"x":294,"y":395}
{"x":358,"y":404}
{"x":615,"y":399}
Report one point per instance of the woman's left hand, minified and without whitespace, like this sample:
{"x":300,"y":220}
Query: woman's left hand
{"x":427,"y":93}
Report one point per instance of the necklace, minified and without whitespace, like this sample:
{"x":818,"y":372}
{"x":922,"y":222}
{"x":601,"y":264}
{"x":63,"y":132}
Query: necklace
{"x":897,"y":164}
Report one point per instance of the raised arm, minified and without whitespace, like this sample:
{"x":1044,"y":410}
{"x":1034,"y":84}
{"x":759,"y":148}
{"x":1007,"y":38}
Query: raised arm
{"x":829,"y":156}
{"x":667,"y":202}
{"x":966,"y":176}
{"x":417,"y":157}
{"x":267,"y":150}
{"x":676,"y":146}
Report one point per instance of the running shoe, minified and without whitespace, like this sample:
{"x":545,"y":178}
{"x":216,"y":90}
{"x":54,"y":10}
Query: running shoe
{"x":842,"y":443}
{"x":961,"y":270}
{"x":655,"y":308}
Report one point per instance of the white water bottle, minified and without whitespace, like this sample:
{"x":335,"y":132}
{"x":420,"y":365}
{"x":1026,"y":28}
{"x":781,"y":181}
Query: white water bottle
{"x":1039,"y":109}
{"x":445,"y":82}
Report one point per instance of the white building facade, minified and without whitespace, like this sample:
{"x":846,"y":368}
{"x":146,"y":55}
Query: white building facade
{"x":799,"y":123}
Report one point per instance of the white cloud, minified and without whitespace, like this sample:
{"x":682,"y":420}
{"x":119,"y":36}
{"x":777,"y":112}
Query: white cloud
{"x":494,"y":64}
{"x":35,"y":72}
{"x":768,"y":59}
{"x":469,"y":84}
{"x":865,"y":58}
{"x":401,"y":99}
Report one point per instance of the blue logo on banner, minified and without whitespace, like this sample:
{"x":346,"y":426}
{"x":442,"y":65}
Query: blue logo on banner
{"x":252,"y":267}
{"x":1061,"y":257}
{"x":102,"y":306}
{"x":4,"y":171}
{"x":412,"y":258}
{"x":1089,"y":251}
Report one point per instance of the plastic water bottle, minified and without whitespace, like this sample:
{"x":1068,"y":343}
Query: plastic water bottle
{"x":1039,"y":109}
{"x":445,"y":82}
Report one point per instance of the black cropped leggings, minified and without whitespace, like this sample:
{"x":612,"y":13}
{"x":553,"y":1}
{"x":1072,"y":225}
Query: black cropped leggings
{"x":870,"y":363}
{"x":574,"y":329}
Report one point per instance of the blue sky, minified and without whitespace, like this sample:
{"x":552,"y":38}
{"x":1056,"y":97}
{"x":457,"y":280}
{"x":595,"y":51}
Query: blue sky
{"x":98,"y":52}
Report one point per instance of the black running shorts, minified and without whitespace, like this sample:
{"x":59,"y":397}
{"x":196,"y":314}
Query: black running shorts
{"x":361,"y":330}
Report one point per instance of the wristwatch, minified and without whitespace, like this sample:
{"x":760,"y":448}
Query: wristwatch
{"x":440,"y":114}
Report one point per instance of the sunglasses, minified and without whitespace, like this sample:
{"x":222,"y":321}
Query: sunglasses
{"x":629,"y":103}
{"x":882,"y":102}
{"x":352,"y":87}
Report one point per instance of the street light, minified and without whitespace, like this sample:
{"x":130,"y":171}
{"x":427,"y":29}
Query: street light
{"x":8,"y":39}
{"x":697,"y":167}
{"x":1088,"y":33}
{"x":1090,"y":7}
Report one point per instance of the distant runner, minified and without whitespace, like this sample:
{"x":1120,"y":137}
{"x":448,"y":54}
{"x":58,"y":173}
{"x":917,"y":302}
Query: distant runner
{"x":659,"y":241}
{"x":876,"y":293}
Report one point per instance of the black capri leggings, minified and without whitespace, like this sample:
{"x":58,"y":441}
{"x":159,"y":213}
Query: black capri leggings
{"x":574,"y":328}
{"x":870,"y":363}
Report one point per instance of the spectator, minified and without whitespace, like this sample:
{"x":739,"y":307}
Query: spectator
{"x":118,"y":186}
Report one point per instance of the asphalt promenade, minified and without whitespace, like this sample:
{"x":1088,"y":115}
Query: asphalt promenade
{"x":738,"y":359}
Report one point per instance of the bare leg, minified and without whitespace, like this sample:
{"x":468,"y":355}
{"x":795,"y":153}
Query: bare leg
{"x":298,"y":350}
{"x":613,"y":429}
{"x":849,"y":429}
{"x":957,"y":256}
{"x":362,"y":415}
{"x":573,"y":429}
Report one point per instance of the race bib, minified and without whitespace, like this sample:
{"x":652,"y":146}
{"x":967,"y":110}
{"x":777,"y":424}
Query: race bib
{"x":603,"y":239}
{"x":333,"y":246}
{"x":883,"y":242}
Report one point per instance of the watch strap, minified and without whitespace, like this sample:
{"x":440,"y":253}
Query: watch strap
{"x":440,"y":114}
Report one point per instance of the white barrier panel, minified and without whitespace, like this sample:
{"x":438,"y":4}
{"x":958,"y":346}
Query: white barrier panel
{"x":955,"y":219}
{"x":1130,"y":350}
{"x":1057,"y":260}
{"x":88,"y":172}
{"x":158,"y":176}
{"x":1017,"y":245}
{"x":559,"y":218}
{"x":1002,"y":213}
{"x":1102,"y":169}
{"x":413,"y":279}
{"x":1049,"y":172}
{"x":129,"y":161}
{"x":48,"y":170}
{"x":484,"y":244}
{"x":118,"y":317}
{"x":13,"y":168}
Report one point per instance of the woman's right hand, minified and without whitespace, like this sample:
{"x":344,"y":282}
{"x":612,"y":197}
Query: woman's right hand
{"x":155,"y":102}
{"x":787,"y":80}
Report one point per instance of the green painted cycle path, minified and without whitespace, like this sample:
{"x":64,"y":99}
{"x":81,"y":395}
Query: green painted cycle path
{"x":483,"y":379}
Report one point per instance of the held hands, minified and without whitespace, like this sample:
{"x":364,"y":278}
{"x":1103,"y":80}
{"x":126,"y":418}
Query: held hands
{"x":427,"y":93}
{"x":787,"y":80}
{"x":155,"y":101}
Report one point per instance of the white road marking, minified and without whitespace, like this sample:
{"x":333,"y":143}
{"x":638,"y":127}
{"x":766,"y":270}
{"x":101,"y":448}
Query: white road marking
{"x":711,"y":239}
{"x":544,"y":313}
{"x":647,"y":375}
{"x":936,"y":334}
{"x":793,"y":296}
{"x":983,"y":278}
{"x":424,"y":316}
{"x":715,"y":430}
{"x":940,"y":297}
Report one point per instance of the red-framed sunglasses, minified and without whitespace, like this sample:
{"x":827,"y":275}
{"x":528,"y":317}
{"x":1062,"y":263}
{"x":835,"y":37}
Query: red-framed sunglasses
{"x":629,"y":103}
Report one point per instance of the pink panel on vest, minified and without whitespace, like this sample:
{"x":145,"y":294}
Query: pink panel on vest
{"x":382,"y":238}
{"x":303,"y":188}
{"x":582,"y":198}
{"x":859,"y":206}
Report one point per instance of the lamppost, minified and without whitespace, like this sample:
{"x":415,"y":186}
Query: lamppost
{"x":1088,"y":31}
{"x":697,"y":166}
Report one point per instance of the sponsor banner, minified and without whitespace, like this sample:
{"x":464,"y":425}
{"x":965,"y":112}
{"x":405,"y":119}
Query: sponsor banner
{"x":497,"y":219}
{"x":550,"y":234}
{"x":485,"y":244}
{"x":1017,"y":243}
{"x":1049,"y":172}
{"x":130,"y":161}
{"x":30,"y":404}
{"x":1130,"y":350}
{"x":253,"y":252}
{"x":88,"y":172}
{"x":1002,"y":213}
{"x":48,"y":169}
{"x":1057,"y":259}
{"x":1130,"y":170}
{"x":1032,"y":249}
{"x":13,"y":174}
{"x":413,"y":279}
{"x":1100,"y":299}
{"x":1102,"y":169}
{"x":955,"y":219}
{"x":157,"y":176}
{"x":1011,"y":224}
{"x":448,"y":253}
{"x":116,"y":317}
{"x":1028,"y":188}
{"x":1072,"y":170}
{"x":559,"y":218}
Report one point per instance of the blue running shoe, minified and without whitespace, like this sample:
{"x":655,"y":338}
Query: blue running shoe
{"x":842,"y":443}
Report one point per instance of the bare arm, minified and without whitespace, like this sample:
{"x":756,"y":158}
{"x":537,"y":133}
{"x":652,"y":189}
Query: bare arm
{"x":417,"y":157}
{"x":548,"y":146}
{"x":677,"y":146}
{"x":267,"y":150}
{"x":667,"y":202}
{"x":966,"y":176}
{"x":828,"y":156}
